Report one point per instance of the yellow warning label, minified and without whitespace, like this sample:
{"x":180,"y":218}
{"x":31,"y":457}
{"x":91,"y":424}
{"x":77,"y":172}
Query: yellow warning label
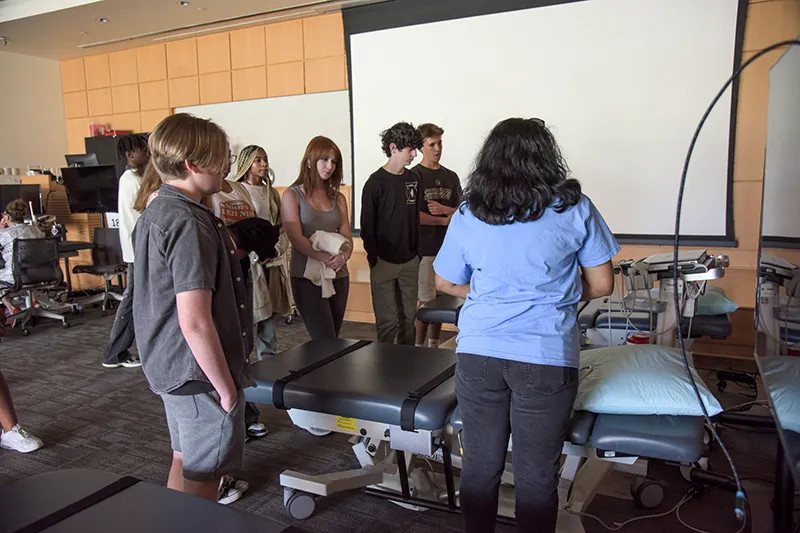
{"x":346,"y":424}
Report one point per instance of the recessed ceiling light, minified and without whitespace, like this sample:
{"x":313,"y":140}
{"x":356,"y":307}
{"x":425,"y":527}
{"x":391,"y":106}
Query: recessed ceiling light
{"x":103,"y":20}
{"x":184,"y":3}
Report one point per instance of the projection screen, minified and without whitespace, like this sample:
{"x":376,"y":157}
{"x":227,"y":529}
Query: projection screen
{"x":621,"y":83}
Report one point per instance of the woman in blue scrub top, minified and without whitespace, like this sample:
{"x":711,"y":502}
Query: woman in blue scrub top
{"x":523,"y":249}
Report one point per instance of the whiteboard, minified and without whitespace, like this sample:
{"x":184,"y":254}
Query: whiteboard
{"x":621,"y":83}
{"x":781,"y":216}
{"x":283,"y":127}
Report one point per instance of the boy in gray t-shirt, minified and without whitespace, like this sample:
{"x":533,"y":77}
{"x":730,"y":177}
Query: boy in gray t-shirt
{"x":192,"y":312}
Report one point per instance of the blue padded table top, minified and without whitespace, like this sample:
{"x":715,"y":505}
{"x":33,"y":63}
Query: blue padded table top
{"x":579,"y":432}
{"x":369,"y":383}
{"x":443,"y":309}
{"x":702,"y":326}
{"x":669,"y":438}
{"x":791,"y":334}
{"x":595,"y":315}
{"x":142,"y":507}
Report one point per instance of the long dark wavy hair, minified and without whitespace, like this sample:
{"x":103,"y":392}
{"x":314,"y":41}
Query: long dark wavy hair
{"x":519,"y":173}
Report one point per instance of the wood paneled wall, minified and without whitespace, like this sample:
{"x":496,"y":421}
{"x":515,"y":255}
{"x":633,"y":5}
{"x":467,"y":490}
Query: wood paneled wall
{"x":134,"y":89}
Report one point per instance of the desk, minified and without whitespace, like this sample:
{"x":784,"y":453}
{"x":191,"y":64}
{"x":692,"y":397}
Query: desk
{"x":67,"y":249}
{"x":141,"y":507}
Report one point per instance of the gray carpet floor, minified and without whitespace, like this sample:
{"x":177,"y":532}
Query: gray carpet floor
{"x":91,"y":417}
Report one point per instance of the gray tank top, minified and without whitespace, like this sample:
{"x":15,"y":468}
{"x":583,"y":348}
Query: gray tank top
{"x":312,"y":220}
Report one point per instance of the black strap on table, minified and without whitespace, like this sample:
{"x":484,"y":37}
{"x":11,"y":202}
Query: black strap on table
{"x":78,"y":506}
{"x":409,"y":408}
{"x":280,"y":385}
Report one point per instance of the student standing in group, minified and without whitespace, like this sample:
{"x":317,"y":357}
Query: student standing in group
{"x":440,"y":195}
{"x":233,"y":204}
{"x":390,"y":231}
{"x":314,"y":203}
{"x":524,"y":248}
{"x":134,"y":149}
{"x":253,"y":173}
{"x":192,"y":321}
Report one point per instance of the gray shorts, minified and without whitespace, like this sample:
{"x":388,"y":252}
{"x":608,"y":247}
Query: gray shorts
{"x":210,"y":440}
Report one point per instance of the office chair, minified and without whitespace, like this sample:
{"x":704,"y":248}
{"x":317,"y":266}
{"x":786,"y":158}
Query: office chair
{"x":106,"y":262}
{"x":36,"y":268}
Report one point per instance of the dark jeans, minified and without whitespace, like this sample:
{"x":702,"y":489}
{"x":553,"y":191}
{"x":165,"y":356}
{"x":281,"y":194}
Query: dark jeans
{"x":122,"y":335}
{"x":252,"y":414}
{"x":323,"y":317}
{"x":496,"y":396}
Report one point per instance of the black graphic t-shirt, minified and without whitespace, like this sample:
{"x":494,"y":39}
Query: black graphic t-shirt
{"x":441,"y":185}
{"x":390,"y":216}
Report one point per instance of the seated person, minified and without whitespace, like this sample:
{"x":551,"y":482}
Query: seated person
{"x":12,"y":227}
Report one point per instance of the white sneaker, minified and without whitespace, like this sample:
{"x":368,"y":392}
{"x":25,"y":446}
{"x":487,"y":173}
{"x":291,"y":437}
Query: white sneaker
{"x":257,"y":430}
{"x":19,"y":440}
{"x":231,"y":490}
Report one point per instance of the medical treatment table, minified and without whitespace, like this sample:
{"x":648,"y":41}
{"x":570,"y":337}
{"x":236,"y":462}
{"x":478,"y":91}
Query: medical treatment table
{"x":609,"y":321}
{"x":92,"y":501}
{"x":604,"y":327}
{"x":399,"y":403}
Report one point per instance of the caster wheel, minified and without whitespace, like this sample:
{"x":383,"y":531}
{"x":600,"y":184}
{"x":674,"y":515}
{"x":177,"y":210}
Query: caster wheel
{"x":103,"y":313}
{"x":299,"y":504}
{"x":722,"y":385}
{"x":647,"y":494}
{"x":65,"y":325}
{"x":25,"y":332}
{"x":289,"y":320}
{"x":318,"y":432}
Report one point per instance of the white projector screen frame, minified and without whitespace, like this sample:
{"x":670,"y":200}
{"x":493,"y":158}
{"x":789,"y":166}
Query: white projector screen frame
{"x":629,"y":53}
{"x":283,"y":127}
{"x":780,"y":226}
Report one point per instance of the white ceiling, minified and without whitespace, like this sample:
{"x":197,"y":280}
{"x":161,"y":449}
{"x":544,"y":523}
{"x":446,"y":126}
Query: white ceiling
{"x":63,"y":29}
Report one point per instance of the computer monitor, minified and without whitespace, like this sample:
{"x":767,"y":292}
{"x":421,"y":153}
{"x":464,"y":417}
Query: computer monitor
{"x":91,"y":189}
{"x":81,"y":160}
{"x":26,"y":193}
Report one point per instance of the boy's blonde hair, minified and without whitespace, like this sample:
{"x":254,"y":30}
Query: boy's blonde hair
{"x":184,"y":137}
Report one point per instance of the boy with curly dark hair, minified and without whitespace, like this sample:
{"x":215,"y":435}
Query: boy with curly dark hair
{"x":390,"y":231}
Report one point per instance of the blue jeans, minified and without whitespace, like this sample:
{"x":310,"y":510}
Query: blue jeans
{"x":266,"y":339}
{"x":266,"y":346}
{"x":121,"y":336}
{"x":496,"y":396}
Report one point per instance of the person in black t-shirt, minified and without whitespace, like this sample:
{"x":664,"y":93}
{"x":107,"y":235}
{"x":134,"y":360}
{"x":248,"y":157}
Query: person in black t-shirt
{"x":390,"y":231}
{"x":440,"y":195}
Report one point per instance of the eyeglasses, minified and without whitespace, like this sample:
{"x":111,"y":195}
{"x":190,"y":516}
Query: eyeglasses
{"x":538,"y":121}
{"x":233,"y":158}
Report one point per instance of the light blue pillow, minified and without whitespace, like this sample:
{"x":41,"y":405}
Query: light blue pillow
{"x":782,"y":377}
{"x":714,"y":302}
{"x":640,"y":380}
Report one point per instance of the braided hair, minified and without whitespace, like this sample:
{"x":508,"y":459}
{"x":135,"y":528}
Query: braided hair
{"x":131,"y":143}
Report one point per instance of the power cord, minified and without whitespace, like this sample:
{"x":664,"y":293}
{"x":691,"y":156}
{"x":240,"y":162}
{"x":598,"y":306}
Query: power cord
{"x":740,"y":495}
{"x":676,"y":509}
